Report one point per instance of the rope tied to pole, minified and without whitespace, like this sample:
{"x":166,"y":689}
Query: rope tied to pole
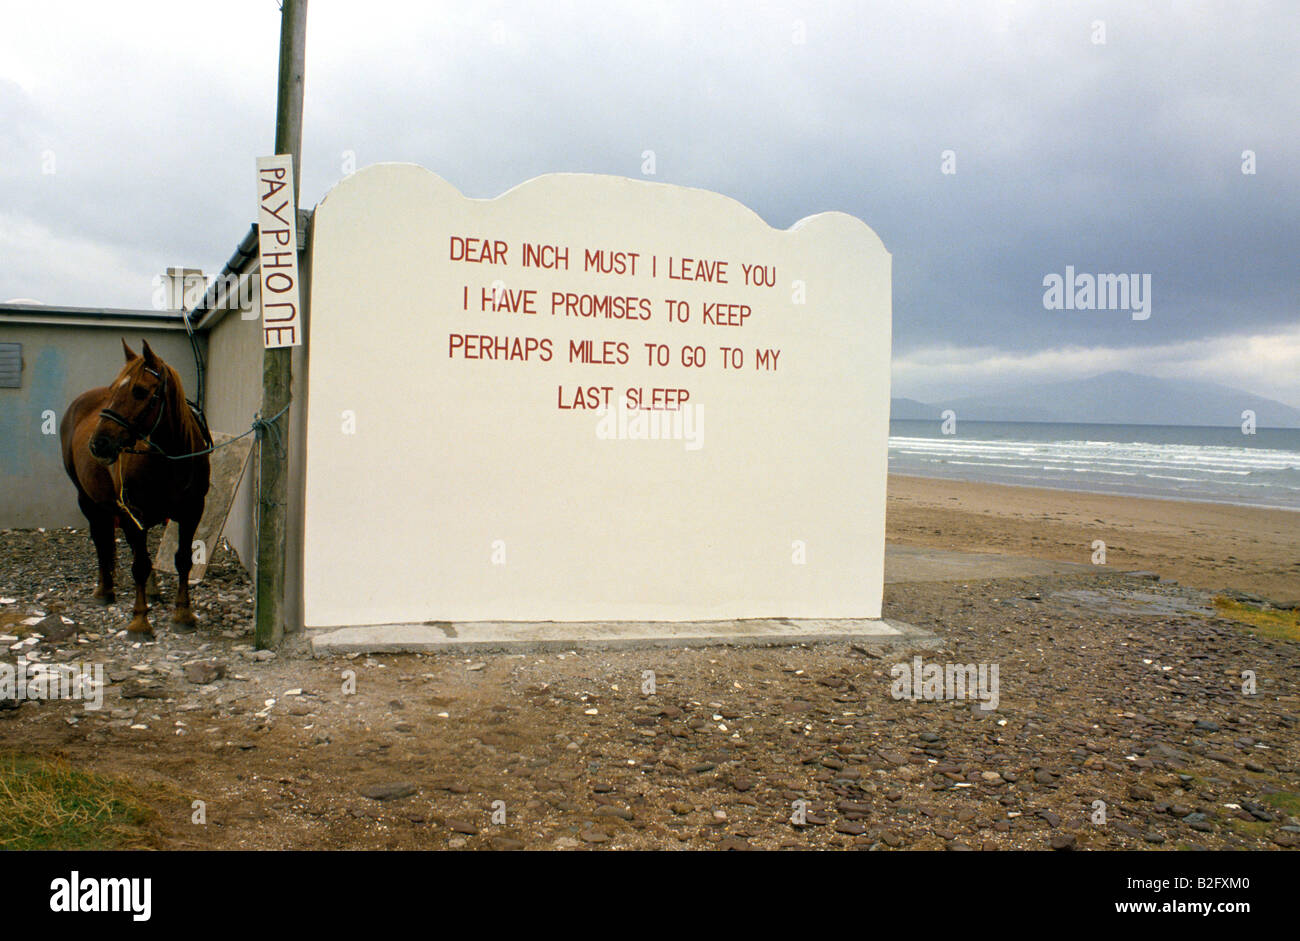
{"x":267,"y":427}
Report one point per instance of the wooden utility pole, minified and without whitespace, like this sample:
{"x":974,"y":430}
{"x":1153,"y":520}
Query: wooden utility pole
{"x":277,"y":366}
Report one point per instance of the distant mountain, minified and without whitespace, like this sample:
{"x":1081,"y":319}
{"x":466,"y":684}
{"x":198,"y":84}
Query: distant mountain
{"x":1121,"y":398}
{"x":912,"y":410}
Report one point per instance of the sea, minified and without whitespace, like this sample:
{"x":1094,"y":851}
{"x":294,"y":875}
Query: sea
{"x":1217,"y":465}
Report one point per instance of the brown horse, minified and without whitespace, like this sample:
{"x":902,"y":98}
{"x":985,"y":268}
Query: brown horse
{"x":120,"y":484}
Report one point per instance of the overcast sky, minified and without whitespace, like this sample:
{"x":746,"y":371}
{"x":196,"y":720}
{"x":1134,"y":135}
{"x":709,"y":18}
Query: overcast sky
{"x":128,"y":133}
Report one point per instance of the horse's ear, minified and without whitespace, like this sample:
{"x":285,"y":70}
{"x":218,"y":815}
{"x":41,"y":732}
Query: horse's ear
{"x":150,"y":358}
{"x":130,"y":353}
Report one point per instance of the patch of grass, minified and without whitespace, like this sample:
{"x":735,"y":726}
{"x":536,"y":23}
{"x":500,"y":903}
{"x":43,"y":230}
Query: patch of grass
{"x":45,"y":804}
{"x":1255,"y":828}
{"x":1266,"y":622}
{"x":1286,"y":801}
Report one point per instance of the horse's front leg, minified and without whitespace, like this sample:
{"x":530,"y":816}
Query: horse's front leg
{"x":141,"y":568}
{"x":182,"y":616}
{"x":103,"y":535}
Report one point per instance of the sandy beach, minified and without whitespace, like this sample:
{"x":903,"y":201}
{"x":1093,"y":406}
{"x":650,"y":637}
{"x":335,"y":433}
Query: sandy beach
{"x":1202,"y":545}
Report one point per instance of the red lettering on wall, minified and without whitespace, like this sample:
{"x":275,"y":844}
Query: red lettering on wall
{"x":479,"y":251}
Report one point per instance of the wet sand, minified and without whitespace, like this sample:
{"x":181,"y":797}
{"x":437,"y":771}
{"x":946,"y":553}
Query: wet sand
{"x":1204,"y":545}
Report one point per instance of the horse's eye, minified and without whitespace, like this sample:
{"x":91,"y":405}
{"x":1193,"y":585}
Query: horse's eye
{"x":140,"y":392}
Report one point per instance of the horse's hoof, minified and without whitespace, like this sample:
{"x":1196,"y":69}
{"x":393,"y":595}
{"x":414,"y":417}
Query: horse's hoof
{"x":140,"y":625}
{"x":183,"y":621}
{"x":104,"y":598}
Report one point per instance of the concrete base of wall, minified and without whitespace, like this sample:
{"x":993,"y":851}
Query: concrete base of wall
{"x":878,"y":636}
{"x":902,"y":564}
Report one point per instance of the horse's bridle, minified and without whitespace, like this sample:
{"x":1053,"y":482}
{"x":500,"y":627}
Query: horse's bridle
{"x":159,"y":392}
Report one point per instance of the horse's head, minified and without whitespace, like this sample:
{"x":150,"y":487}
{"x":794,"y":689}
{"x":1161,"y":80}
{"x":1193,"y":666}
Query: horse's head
{"x":137,"y":400}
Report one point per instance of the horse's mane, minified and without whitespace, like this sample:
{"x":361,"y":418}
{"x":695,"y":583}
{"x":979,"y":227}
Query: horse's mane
{"x":188,"y":426}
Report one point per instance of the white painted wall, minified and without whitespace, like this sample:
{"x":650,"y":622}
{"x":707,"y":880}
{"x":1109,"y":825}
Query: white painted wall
{"x":453,"y":460}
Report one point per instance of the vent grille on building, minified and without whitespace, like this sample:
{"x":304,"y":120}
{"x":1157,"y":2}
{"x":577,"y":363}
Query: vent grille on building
{"x":11,"y":365}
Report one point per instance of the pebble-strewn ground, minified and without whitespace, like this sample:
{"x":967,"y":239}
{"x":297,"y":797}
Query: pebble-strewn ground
{"x":1100,"y":700}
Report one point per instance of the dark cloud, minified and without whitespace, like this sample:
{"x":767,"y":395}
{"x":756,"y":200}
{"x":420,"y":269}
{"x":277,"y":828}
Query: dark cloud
{"x":1119,"y":157}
